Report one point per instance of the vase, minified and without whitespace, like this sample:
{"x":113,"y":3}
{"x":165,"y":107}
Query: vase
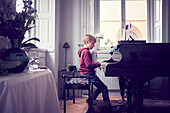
{"x":15,"y":53}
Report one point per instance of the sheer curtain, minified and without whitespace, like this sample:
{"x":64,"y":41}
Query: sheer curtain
{"x":89,"y":16}
{"x":165,"y":5}
{"x":166,"y":21}
{"x":87,"y":13}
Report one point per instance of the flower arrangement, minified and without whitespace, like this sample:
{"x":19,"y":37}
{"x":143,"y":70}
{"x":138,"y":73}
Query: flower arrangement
{"x":14,"y":25}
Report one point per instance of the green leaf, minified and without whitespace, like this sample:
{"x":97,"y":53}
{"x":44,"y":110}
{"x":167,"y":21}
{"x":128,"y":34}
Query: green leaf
{"x":36,"y":39}
{"x":25,"y":29}
{"x":30,"y":20}
{"x":28,"y":45}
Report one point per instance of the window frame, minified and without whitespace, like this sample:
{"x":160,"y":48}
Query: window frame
{"x":123,"y":18}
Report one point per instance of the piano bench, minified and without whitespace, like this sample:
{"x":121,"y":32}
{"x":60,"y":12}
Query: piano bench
{"x":75,"y":81}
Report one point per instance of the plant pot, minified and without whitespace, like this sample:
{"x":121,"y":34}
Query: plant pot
{"x":17,"y":54}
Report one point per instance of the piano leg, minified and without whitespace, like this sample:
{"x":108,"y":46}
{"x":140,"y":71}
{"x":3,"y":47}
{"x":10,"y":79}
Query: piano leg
{"x":128,"y":104}
{"x":135,"y":94}
{"x":138,"y":96}
{"x":122,"y":81}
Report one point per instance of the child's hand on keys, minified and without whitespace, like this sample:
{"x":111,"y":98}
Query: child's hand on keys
{"x":104,"y":63}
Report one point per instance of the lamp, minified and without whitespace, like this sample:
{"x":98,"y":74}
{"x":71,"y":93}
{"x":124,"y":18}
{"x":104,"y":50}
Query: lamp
{"x":98,"y":37}
{"x":66,"y":45}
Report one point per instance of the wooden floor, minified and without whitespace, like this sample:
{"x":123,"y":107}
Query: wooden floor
{"x":80,"y":106}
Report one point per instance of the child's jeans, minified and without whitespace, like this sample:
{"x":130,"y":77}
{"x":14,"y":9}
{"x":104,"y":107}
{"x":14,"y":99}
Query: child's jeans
{"x":101,"y":87}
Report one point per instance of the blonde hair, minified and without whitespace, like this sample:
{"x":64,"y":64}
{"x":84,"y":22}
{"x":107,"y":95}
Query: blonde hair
{"x":89,"y":37}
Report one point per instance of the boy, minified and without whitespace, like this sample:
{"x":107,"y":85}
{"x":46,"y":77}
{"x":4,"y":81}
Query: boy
{"x":87,"y":67}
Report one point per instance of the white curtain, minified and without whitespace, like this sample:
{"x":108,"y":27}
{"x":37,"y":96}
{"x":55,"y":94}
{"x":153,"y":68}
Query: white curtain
{"x":87,"y":17}
{"x":166,"y":21}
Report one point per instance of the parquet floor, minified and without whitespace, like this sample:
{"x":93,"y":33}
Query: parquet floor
{"x":80,"y":106}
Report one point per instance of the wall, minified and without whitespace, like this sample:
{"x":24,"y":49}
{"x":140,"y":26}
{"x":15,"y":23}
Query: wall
{"x":69,"y":31}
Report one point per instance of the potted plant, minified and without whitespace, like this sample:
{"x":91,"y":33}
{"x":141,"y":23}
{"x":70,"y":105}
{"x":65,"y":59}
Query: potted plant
{"x":14,"y":25}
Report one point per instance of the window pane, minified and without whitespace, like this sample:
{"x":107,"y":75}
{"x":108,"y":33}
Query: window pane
{"x":136,"y":15}
{"x":110,"y":17}
{"x":19,"y":5}
{"x":110,"y":14}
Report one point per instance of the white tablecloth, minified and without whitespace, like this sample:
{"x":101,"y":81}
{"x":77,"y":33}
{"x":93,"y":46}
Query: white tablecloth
{"x":29,"y":92}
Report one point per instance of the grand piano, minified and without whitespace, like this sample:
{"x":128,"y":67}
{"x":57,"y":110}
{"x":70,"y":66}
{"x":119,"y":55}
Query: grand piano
{"x":140,"y":63}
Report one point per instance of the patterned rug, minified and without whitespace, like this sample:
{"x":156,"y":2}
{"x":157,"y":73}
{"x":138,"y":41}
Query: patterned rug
{"x":150,"y":106}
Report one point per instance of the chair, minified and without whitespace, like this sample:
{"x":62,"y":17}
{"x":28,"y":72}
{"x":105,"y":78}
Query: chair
{"x":74,"y":80}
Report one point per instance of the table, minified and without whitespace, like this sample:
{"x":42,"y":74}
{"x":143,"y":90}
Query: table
{"x":29,"y":92}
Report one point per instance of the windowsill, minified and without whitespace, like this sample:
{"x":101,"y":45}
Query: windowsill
{"x":103,"y":51}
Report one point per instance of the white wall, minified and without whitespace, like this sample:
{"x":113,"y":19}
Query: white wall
{"x":70,"y":16}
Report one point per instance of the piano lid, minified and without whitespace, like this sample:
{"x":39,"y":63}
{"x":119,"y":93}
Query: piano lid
{"x":152,"y":59}
{"x":148,"y":52}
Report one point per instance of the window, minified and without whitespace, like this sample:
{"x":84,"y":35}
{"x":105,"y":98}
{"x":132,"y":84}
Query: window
{"x":110,"y":15}
{"x":115,"y":13}
{"x":136,"y":15}
{"x":19,"y":5}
